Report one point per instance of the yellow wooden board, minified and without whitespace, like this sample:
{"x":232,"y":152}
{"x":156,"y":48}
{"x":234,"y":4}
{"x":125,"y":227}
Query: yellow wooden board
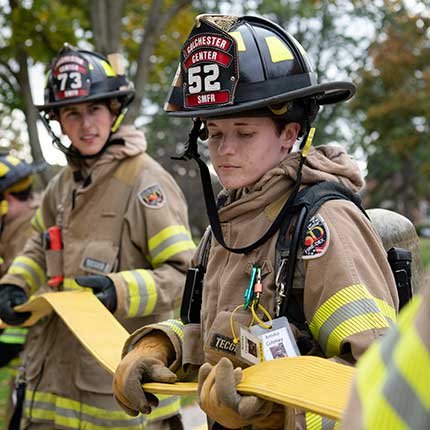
{"x":310,"y":383}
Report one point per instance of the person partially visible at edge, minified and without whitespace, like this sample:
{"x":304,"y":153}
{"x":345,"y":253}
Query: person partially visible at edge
{"x":122,"y":225}
{"x":391,"y":388}
{"x":251,"y":90}
{"x":18,"y":204}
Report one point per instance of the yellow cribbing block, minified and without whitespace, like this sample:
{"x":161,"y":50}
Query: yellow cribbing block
{"x":309,"y":383}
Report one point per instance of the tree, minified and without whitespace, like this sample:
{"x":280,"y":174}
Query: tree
{"x":29,"y":35}
{"x":394,"y":105}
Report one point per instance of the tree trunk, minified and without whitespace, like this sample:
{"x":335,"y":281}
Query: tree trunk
{"x":105,"y":16}
{"x":30,"y":111}
{"x":156,"y":22}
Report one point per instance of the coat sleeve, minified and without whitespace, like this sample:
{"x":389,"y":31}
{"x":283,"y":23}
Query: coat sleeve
{"x":28,"y":269}
{"x":156,"y":227}
{"x":350,"y":297}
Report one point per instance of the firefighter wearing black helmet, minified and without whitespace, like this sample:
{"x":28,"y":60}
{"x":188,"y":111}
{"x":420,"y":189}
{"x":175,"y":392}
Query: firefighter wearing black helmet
{"x":251,"y":91}
{"x":114,"y":221}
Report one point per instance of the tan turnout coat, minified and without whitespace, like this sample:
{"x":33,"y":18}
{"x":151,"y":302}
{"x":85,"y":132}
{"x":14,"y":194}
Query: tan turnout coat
{"x":124,"y":217}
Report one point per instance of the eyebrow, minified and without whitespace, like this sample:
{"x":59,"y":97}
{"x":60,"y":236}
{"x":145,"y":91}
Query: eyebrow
{"x":212,"y":124}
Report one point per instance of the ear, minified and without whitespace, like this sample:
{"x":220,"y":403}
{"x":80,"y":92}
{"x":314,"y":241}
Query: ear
{"x":289,"y":135}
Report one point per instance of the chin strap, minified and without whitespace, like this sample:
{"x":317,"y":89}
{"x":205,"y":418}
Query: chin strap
{"x":191,"y":153}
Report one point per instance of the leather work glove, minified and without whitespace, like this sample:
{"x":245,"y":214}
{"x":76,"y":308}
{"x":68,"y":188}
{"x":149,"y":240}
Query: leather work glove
{"x":103,"y":287}
{"x":219,"y":398}
{"x":147,"y":362}
{"x":11,"y":296}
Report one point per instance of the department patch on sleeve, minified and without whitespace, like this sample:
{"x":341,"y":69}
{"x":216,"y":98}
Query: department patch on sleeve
{"x":317,"y":238}
{"x":152,"y":196}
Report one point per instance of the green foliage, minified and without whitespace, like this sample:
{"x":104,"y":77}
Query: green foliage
{"x":394,"y":104}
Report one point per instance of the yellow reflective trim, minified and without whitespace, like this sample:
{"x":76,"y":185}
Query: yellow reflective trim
{"x":352,"y":326}
{"x":165,"y":234}
{"x":107,"y":68}
{"x":278,"y":50}
{"x":239,"y":40}
{"x":371,"y":377}
{"x":13,"y":160}
{"x":1,"y":260}
{"x":341,"y":298}
{"x":313,"y":421}
{"x":37,"y":221}
{"x":151,"y":291}
{"x":3,"y":169}
{"x":167,"y":410}
{"x":27,"y":275}
{"x":185,"y":245}
{"x":410,"y":345}
{"x":58,"y":402}
{"x":133,"y":293}
{"x":71,"y":284}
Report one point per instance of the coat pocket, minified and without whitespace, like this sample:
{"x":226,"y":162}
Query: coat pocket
{"x":90,"y":376}
{"x":220,"y":341}
{"x":99,"y":257}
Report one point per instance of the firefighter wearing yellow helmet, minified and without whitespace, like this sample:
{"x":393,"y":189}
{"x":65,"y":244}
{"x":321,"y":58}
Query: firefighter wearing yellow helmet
{"x":114,"y":221}
{"x":18,"y":205}
{"x":251,"y":90}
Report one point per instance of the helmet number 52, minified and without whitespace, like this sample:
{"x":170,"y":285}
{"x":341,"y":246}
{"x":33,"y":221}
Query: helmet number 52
{"x":210,"y":83}
{"x":75,"y":77}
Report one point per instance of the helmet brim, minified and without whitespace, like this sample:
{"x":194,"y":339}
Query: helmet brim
{"x":326,"y":93}
{"x":76,"y":100}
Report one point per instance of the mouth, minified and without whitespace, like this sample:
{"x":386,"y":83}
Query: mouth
{"x":88,"y":138}
{"x":228,"y":166}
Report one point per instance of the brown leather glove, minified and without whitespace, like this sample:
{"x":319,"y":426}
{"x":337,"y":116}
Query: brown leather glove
{"x":219,"y":398}
{"x":147,"y":362}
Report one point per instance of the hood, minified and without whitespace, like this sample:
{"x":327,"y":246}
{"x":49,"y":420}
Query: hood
{"x":130,"y":143}
{"x":134,"y":143}
{"x":323,"y":163}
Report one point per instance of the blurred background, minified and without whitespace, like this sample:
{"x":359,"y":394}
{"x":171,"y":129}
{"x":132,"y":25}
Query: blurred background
{"x":381,"y":45}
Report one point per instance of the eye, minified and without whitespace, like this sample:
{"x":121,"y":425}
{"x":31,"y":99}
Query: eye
{"x":246,"y":134}
{"x":214,"y":135}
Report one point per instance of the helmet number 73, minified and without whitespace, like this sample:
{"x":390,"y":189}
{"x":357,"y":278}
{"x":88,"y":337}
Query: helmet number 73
{"x":210,"y":82}
{"x":75,"y":77}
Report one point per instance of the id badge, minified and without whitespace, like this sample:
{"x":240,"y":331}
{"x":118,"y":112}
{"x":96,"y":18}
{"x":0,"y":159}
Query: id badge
{"x":258,"y":344}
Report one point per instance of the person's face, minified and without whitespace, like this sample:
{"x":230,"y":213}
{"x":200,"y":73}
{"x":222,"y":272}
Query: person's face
{"x":242,"y":150}
{"x":87,"y":125}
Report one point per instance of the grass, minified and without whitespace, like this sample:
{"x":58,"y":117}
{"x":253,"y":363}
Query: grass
{"x":5,"y":375}
{"x":425,"y":253}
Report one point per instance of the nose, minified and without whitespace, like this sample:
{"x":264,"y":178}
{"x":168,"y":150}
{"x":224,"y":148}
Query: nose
{"x":227,"y":146}
{"x":86,"y":119}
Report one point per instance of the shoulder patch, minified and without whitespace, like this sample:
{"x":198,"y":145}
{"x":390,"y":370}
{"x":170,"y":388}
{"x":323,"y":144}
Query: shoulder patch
{"x":153,"y":196}
{"x":317,"y":238}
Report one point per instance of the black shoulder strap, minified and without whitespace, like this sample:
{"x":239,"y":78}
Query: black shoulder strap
{"x":306,"y":204}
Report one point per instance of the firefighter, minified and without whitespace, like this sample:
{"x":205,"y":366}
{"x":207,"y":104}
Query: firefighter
{"x":251,"y":90}
{"x":391,"y":390}
{"x":18,"y":205}
{"x":114,"y":221}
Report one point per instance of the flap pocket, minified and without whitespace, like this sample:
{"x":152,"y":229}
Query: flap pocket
{"x":99,"y":257}
{"x":220,"y":342}
{"x":91,"y":376}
